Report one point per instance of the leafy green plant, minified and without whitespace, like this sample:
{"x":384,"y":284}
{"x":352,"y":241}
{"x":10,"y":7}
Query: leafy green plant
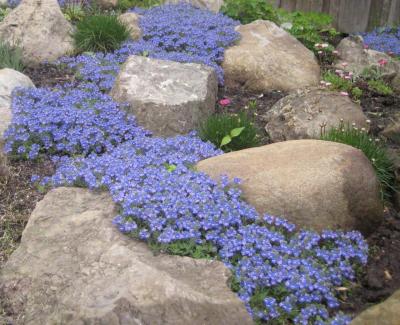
{"x":247,"y":11}
{"x":229,"y":132}
{"x":126,"y":4}
{"x":10,"y":57}
{"x":356,"y":93}
{"x":373,"y":149}
{"x":185,"y":248}
{"x":380,"y":87}
{"x":3,"y":13}
{"x":337,"y":82}
{"x":100,"y":33}
{"x":74,"y":12}
{"x":307,"y":27}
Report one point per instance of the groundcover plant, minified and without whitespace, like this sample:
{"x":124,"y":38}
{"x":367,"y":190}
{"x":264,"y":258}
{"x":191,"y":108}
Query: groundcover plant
{"x":384,"y":40}
{"x":281,"y":274}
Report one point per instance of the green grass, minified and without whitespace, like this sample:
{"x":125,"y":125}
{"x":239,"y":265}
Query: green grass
{"x":100,"y":33}
{"x":373,"y":149}
{"x":10,"y":57}
{"x":217,"y":127}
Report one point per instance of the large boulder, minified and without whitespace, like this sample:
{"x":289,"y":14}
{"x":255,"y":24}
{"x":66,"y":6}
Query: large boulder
{"x":9,"y":80}
{"x":212,"y":5}
{"x":131,"y":21}
{"x":39,"y":27}
{"x":268,"y":58}
{"x":385,"y":313}
{"x":305,"y":113}
{"x":74,"y":267}
{"x":354,"y":57}
{"x":166,"y":97}
{"x":314,"y":184}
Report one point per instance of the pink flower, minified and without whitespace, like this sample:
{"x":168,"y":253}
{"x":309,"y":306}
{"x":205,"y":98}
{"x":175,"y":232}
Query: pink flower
{"x":345,"y":64}
{"x":382,"y":62}
{"x":320,"y":52}
{"x":366,"y":46}
{"x":224,"y":102}
{"x":344,"y":93}
{"x":335,"y":52}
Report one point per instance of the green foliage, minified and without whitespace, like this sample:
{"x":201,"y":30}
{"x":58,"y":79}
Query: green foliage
{"x":74,"y":12}
{"x":337,"y":82}
{"x":100,"y":33}
{"x":247,"y":11}
{"x":10,"y":57}
{"x":374,"y":151}
{"x":242,"y":133}
{"x":356,"y":93}
{"x":126,"y":4}
{"x":380,"y":87}
{"x":3,"y":13}
{"x":229,"y":137}
{"x":341,"y":84}
{"x":185,"y":248}
{"x":307,"y":27}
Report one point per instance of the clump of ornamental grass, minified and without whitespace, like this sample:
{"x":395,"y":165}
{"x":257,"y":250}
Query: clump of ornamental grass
{"x":100,"y":33}
{"x":372,"y":148}
{"x":10,"y":57}
{"x":229,"y":132}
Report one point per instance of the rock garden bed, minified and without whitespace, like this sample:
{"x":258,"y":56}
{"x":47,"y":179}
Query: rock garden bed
{"x":114,"y":118}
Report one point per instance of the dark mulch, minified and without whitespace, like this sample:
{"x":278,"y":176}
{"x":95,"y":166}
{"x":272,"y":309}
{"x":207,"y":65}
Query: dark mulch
{"x":49,"y":75}
{"x":381,"y":277}
{"x":18,"y":197}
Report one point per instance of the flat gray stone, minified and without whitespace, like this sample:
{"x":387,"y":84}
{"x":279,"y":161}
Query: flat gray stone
{"x":166,"y":97}
{"x":74,"y":267}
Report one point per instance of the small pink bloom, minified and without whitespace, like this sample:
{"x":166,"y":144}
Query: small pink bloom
{"x":366,"y":46}
{"x":347,"y":77}
{"x":320,"y":52}
{"x":225,"y":102}
{"x":335,"y":52}
{"x":344,"y":93}
{"x":382,"y":62}
{"x":345,"y":64}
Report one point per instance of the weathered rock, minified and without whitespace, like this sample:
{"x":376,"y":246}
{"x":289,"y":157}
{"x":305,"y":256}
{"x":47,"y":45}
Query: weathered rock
{"x":385,"y":313}
{"x":39,"y":27}
{"x":392,"y":130}
{"x":131,"y":20}
{"x":107,"y":4}
{"x":166,"y":97}
{"x":9,"y":80}
{"x":74,"y":267}
{"x":303,"y":114}
{"x":315,"y":184}
{"x":268,"y":58}
{"x":355,"y":58}
{"x":212,"y":5}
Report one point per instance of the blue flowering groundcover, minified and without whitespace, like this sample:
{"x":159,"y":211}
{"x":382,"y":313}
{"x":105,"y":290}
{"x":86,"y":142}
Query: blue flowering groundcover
{"x":384,"y":40}
{"x":282,"y":274}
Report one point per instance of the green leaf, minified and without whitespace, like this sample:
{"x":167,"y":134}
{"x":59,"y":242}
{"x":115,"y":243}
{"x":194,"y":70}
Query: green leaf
{"x":226,"y":139}
{"x":236,"y":132}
